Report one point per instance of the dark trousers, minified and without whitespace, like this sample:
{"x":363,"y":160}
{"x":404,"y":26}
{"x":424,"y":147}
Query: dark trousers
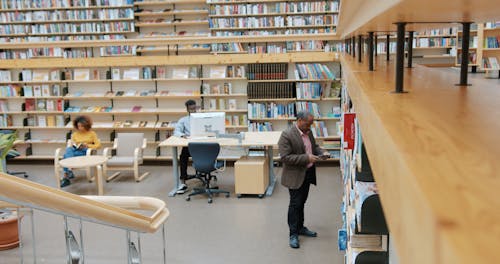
{"x":184,"y":162}
{"x":298,"y":198}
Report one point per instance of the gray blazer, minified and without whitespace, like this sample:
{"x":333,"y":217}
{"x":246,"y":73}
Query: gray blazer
{"x":294,"y":157}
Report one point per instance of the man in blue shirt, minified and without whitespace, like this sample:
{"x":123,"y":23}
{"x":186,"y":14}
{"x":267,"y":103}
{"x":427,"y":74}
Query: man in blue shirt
{"x":183,"y":129}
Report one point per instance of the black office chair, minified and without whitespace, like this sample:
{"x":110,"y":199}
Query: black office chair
{"x":204,"y":155}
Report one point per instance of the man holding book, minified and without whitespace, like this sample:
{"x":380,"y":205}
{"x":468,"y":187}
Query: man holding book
{"x":183,"y":129}
{"x":299,"y":151}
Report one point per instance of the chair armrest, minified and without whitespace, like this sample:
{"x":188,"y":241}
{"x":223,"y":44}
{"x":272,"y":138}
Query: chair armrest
{"x":144,"y":143}
{"x":138,"y":153}
{"x":90,"y":151}
{"x":115,"y":144}
{"x":69,"y":143}
{"x":57,"y":156}
{"x":107,"y":152}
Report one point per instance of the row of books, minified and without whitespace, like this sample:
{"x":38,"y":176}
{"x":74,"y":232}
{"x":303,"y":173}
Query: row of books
{"x":9,"y":90}
{"x":227,"y":47}
{"x":491,"y":63}
{"x":280,"y":7}
{"x":221,"y":104}
{"x":5,"y":120}
{"x":271,"y":110}
{"x":438,"y":31}
{"x":89,"y":109}
{"x":279,"y":31}
{"x":270,"y":90}
{"x":382,"y":47}
{"x":268,"y":71}
{"x":311,"y":20}
{"x":58,"y":15}
{"x":47,"y":52}
{"x":56,"y":28}
{"x":492,"y":24}
{"x":472,"y":57}
{"x":15,"y":90}
{"x":318,"y":129}
{"x":132,"y":124}
{"x":45,"y":121}
{"x":247,"y":22}
{"x":331,"y":144}
{"x":309,"y":90}
{"x":23,"y":4}
{"x":216,"y":88}
{"x":43,"y":105}
{"x":118,"y":50}
{"x":260,"y":126}
{"x":492,"y":42}
{"x":310,"y":107}
{"x":132,"y":93}
{"x":236,"y":120}
{"x":473,"y":42}
{"x":313,"y":71}
{"x":71,"y":37}
{"x":434,"y":42}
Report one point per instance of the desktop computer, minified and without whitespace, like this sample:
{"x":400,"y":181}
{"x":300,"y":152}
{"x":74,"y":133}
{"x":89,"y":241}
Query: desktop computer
{"x":207,"y":124}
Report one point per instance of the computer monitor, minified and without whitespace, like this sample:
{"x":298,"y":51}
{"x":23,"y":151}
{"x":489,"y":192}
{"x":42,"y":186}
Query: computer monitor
{"x":205,"y":124}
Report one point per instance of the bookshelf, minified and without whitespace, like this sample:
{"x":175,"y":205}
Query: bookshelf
{"x":156,"y":87}
{"x":475,"y":46}
{"x":491,"y":51}
{"x":252,"y":18}
{"x":435,"y":47}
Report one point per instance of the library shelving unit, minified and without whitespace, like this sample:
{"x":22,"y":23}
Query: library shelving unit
{"x":475,"y":46}
{"x":170,"y":18}
{"x":491,"y":48}
{"x":364,"y":233}
{"x":435,"y":47}
{"x":250,"y":18}
{"x":30,"y":21}
{"x":144,"y":94}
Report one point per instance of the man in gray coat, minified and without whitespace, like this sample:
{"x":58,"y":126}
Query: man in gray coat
{"x":299,"y":152}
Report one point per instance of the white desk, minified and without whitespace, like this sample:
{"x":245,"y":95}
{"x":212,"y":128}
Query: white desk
{"x":257,"y":139}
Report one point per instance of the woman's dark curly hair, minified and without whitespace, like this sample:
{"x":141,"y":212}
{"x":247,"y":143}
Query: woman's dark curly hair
{"x":84,"y":120}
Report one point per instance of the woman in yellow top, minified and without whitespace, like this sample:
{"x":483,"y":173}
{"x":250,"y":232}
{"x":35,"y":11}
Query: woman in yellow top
{"x":82,"y":139}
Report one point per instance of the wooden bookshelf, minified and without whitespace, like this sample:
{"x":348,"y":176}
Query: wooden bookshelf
{"x":168,"y":2}
{"x":171,"y":13}
{"x":66,"y":8}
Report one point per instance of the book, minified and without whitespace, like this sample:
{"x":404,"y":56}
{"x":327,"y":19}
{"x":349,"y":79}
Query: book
{"x":131,"y":74}
{"x":3,"y":106}
{"x":115,"y":74}
{"x":45,"y":90}
{"x":5,"y":76}
{"x":222,"y":104}
{"x":40,"y":75}
{"x":212,"y":104}
{"x":131,"y":93}
{"x":56,"y":90}
{"x":96,"y":74}
{"x":77,"y":145}
{"x":51,"y":121}
{"x":28,"y":91}
{"x":193,"y":72}
{"x":26,"y":75}
{"x":81,"y":74}
{"x":60,"y":121}
{"x":55,"y":75}
{"x":41,"y":105}
{"x":29,"y":105}
{"x":180,"y":73}
{"x":119,"y":93}
{"x":136,"y":108}
{"x":217,"y":71}
{"x":42,"y":121}
{"x":161,"y":73}
{"x":50,"y":105}
{"x":37,"y":90}
{"x":231,"y":104}
{"x":147,"y":73}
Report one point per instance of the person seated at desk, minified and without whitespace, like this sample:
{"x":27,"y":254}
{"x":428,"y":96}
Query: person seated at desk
{"x":183,"y":129}
{"x":82,"y":139}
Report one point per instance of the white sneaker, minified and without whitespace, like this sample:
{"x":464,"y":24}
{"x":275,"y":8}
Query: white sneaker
{"x":182,"y":189}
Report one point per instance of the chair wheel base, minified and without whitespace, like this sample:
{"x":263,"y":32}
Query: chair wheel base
{"x":227,"y":195}
{"x":188,"y":198}
{"x":209,"y":200}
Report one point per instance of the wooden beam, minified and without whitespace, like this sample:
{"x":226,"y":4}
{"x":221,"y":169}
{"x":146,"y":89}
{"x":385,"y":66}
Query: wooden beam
{"x":169,"y":41}
{"x":170,"y":60}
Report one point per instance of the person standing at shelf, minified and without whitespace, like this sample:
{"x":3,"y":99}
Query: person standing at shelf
{"x":299,"y":151}
{"x":82,"y":139}
{"x":183,"y":129}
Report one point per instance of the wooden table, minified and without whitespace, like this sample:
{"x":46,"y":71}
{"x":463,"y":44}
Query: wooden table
{"x":85,"y":162}
{"x":257,"y":139}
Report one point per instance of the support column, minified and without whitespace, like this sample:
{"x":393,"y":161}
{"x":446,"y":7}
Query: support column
{"x":400,"y":57}
{"x":387,"y":50}
{"x":370,"y":51}
{"x":464,"y":65}
{"x":410,"y":49}
{"x":353,"y":41}
{"x":360,"y":47}
{"x":375,"y":45}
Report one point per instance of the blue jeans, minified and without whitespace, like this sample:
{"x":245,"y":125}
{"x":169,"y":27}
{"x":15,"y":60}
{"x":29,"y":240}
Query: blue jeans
{"x":72,"y":152}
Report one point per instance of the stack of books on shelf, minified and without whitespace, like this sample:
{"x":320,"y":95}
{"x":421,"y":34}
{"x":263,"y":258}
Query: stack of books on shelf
{"x":318,"y":129}
{"x":313,"y":71}
{"x":491,"y":63}
{"x":270,"y":110}
{"x":43,"y":105}
{"x":272,"y":90}
{"x":46,"y":121}
{"x":258,"y":48}
{"x":222,"y":104}
{"x":236,"y":120}
{"x":214,"y":89}
{"x":10,"y":90}
{"x":492,"y":42}
{"x":227,"y":47}
{"x":5,"y":76}
{"x":268,"y":71}
{"x":310,"y":107}
{"x":260,"y":126}
{"x":309,"y":90}
{"x":88,"y":109}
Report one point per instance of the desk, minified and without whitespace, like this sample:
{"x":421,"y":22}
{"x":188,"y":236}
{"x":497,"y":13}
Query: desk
{"x":84,"y":162}
{"x":257,"y":139}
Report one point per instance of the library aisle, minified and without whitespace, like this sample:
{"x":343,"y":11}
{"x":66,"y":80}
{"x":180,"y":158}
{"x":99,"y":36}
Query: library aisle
{"x":245,"y":230}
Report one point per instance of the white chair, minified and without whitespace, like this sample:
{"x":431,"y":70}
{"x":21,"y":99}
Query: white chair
{"x":129,"y":151}
{"x":59,"y":155}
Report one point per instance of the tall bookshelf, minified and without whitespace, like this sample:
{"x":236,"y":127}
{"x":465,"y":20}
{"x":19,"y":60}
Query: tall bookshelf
{"x":435,"y":47}
{"x":491,"y":48}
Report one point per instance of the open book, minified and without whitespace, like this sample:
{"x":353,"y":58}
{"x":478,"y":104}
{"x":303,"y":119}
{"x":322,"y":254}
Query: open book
{"x":77,"y":145}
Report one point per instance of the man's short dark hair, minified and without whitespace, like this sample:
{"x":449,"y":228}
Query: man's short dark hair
{"x":190,"y":102}
{"x":304,"y":115}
